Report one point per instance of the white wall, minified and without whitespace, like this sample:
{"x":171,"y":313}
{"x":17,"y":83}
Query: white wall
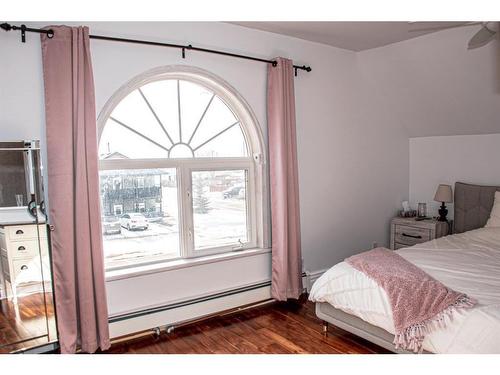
{"x":432,"y":85}
{"x":466,"y":158}
{"x":353,"y":159}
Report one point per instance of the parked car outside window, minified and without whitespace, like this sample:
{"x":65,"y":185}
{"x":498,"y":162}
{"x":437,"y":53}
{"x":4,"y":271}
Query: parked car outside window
{"x":110,"y":225}
{"x":232,"y":192}
{"x":134,"y":221}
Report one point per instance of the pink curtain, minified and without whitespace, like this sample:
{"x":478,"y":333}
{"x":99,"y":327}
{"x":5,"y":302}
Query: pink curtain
{"x":285,"y":215}
{"x":73,"y":187}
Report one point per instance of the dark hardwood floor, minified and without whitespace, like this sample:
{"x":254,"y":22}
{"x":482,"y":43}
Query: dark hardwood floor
{"x":274,"y":328}
{"x":21,"y":323}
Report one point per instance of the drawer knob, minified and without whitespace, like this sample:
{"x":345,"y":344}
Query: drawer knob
{"x":24,"y":267}
{"x":410,"y":235}
{"x":19,"y":231}
{"x":21,"y":248}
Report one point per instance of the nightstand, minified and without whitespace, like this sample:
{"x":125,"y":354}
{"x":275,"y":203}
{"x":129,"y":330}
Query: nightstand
{"x":406,"y":231}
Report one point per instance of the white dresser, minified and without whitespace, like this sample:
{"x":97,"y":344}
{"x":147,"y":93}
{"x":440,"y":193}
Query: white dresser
{"x":20,"y":248}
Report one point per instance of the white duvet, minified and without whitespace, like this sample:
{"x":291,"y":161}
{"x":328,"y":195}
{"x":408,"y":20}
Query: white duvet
{"x":468,"y":262}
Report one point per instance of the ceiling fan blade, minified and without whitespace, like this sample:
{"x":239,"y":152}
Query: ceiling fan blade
{"x":482,"y":37}
{"x":438,"y":28}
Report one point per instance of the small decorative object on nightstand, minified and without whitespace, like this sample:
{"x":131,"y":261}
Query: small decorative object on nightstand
{"x":422,"y":210}
{"x":406,"y":231}
{"x":443,"y":195}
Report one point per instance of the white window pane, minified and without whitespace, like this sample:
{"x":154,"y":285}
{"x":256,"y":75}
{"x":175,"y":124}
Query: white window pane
{"x":217,"y":118}
{"x":134,"y":112}
{"x":181,"y":150}
{"x":162,"y":95}
{"x":194,"y":101}
{"x":219,"y":209}
{"x":139,"y":216}
{"x":118,"y":142}
{"x":229,"y":144}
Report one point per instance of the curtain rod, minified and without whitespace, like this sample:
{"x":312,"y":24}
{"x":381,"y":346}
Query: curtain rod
{"x":50,"y":34}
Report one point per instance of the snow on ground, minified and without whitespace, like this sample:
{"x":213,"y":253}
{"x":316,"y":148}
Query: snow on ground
{"x":223,"y":225}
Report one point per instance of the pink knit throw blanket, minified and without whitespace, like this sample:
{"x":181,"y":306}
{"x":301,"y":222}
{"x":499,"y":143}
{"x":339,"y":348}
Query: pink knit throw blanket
{"x":419,"y":303}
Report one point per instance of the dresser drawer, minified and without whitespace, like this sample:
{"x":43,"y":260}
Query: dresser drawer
{"x":406,"y":235}
{"x":27,"y":265}
{"x":24,"y":232}
{"x":24,"y":249}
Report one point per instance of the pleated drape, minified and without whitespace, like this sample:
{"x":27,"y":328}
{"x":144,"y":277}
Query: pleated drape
{"x":73,"y":190}
{"x":285,"y":213}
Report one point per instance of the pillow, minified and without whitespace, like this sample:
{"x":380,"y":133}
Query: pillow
{"x":494,"y":220}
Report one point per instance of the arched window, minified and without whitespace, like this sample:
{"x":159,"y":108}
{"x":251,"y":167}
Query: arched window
{"x":180,"y":169}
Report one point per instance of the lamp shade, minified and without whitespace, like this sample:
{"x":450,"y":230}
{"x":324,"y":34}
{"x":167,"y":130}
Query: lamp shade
{"x":444,"y":194}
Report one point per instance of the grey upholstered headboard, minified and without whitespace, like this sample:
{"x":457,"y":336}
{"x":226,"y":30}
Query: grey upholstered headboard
{"x":473,"y":205}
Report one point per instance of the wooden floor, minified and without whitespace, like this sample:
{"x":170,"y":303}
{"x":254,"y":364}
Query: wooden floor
{"x":21,"y":323}
{"x":275,"y":328}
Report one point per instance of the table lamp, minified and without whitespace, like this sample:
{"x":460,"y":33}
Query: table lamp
{"x":443,"y":195}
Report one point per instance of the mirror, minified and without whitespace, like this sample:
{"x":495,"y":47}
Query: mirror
{"x":27,"y":317}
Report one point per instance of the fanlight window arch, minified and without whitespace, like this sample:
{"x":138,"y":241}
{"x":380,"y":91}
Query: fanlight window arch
{"x":181,"y":169}
{"x":172,"y":118}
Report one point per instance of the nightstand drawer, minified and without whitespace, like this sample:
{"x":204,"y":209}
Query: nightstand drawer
{"x":407,"y":235}
{"x":398,"y":246}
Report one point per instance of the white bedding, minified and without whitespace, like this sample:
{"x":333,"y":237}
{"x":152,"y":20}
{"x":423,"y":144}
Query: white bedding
{"x":468,"y":262}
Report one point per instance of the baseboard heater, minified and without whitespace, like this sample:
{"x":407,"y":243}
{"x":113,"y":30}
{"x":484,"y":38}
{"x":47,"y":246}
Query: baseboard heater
{"x":164,"y":318}
{"x":167,"y":317}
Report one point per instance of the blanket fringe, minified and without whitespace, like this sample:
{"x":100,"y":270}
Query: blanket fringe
{"x":412,"y":337}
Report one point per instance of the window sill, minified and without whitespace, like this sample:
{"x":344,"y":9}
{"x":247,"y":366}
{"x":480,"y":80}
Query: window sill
{"x":171,"y":265}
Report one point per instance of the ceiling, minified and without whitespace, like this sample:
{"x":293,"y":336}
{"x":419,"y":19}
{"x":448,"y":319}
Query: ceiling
{"x":354,"y":36}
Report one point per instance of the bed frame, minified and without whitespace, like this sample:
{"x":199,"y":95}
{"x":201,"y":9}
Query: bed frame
{"x":473,"y":204}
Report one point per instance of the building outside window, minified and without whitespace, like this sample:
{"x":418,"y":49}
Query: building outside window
{"x":117,"y":210}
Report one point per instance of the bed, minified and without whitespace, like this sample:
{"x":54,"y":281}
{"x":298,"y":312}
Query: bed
{"x":468,"y":261}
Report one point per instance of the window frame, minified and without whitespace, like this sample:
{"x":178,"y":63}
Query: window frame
{"x":256,"y":194}
{"x":245,"y":165}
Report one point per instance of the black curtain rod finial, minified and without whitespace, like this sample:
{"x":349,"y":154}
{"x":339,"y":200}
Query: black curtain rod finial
{"x":24,"y":29}
{"x":6,"y":26}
